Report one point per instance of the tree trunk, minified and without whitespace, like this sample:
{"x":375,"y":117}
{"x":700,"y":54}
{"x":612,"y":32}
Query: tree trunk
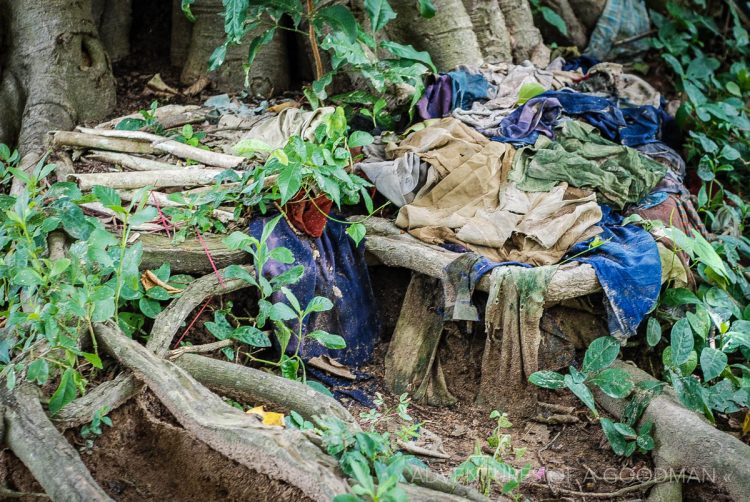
{"x":113,"y":18}
{"x":489,"y":27}
{"x":526,"y":40}
{"x":448,"y":36}
{"x":269,"y":74}
{"x":56,"y":72}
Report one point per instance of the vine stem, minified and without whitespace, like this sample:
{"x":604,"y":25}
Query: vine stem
{"x":313,"y":40}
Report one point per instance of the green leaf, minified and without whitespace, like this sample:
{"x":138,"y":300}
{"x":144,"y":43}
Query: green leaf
{"x":319,"y":387}
{"x":238,"y":272}
{"x":529,"y":90}
{"x":318,"y":304}
{"x":326,"y":339}
{"x":653,"y":332}
{"x":217,"y":57}
{"x":289,"y":368}
{"x":360,"y":138}
{"x":681,"y":341}
{"x":547,"y":379}
{"x":38,"y":371}
{"x":341,"y":19}
{"x":713,"y":362}
{"x":158,"y":293}
{"x":426,"y":8}
{"x":282,"y":312}
{"x":281,"y":255}
{"x":554,"y":19}
{"x":186,"y":10}
{"x":627,"y":431}
{"x":405,"y":51}
{"x":615,"y":382}
{"x":235,"y":13}
{"x":130,"y":124}
{"x":27,"y":277}
{"x":65,"y":393}
{"x":251,"y":335}
{"x":582,"y":392}
{"x":258,"y":42}
{"x":59,"y":266}
{"x":357,"y":232}
{"x":94,"y":359}
{"x":145,"y":215}
{"x":107,"y":196}
{"x":601,"y":353}
{"x":379,"y":12}
{"x":615,"y":439}
{"x":150,"y":308}
{"x":289,"y":182}
{"x":250,"y":146}
{"x":220,"y":327}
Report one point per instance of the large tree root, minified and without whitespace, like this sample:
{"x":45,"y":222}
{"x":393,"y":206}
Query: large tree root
{"x":686,"y":442}
{"x":280,"y":453}
{"x":46,"y":453}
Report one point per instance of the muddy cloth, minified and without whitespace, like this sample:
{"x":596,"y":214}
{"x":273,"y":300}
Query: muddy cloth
{"x":514,"y":310}
{"x":621,"y":19}
{"x":609,"y":80}
{"x":334,"y":268}
{"x":584,"y":159}
{"x":628,"y":267}
{"x":461,"y":278}
{"x":396,"y":179}
{"x":660,"y":152}
{"x":437,"y":100}
{"x":505,"y":82}
{"x":467,"y":87}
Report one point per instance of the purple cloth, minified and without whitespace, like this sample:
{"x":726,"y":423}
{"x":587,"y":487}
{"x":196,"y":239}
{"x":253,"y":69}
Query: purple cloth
{"x":538,"y":116}
{"x":437,"y":99}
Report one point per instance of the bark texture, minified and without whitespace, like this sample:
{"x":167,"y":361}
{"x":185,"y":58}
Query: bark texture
{"x":489,"y":27}
{"x":526,"y":40}
{"x":448,"y":36}
{"x":113,"y":17}
{"x":56,"y":72}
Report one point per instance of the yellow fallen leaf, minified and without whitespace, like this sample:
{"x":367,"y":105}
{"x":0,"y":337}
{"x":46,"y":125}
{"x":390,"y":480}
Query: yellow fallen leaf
{"x":283,"y":106}
{"x":269,"y":417}
{"x":746,"y":424}
{"x":149,"y":280}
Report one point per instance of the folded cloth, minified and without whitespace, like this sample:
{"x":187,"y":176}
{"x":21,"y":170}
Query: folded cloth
{"x":601,"y":113}
{"x":643,"y":125}
{"x":660,"y":152}
{"x":584,"y":159}
{"x":437,"y":100}
{"x":628,"y":267}
{"x":396,"y":179}
{"x":523,"y":126}
{"x":620,"y":20}
{"x":334,"y":267}
{"x":275,"y":130}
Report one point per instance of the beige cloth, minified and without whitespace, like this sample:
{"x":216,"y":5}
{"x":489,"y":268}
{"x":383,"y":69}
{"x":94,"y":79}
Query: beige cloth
{"x":273,"y":129}
{"x":469,"y":201}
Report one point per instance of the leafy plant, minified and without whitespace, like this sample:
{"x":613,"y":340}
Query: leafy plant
{"x":486,"y":470}
{"x":148,"y":122}
{"x":382,"y":414}
{"x":550,"y":16}
{"x":93,"y":429}
{"x":330,"y":28}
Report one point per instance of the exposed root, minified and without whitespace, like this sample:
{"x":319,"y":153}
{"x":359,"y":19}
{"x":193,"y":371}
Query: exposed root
{"x":46,"y":453}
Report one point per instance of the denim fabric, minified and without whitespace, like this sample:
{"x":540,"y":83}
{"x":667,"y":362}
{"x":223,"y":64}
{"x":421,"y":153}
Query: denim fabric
{"x":525,"y":124}
{"x":628,"y":268}
{"x":467,"y":87}
{"x":643,"y":125}
{"x":584,"y":63}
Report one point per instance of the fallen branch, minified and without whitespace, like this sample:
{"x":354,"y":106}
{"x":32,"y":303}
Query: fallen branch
{"x":45,"y":452}
{"x":188,"y":257}
{"x":80,"y":140}
{"x":101,"y":210}
{"x":622,"y":491}
{"x":166,"y":145}
{"x":162,"y":200}
{"x":686,"y":442}
{"x":140,"y":179}
{"x":134,"y":163}
{"x":283,"y":454}
{"x":253,"y":386}
{"x":199,"y":349}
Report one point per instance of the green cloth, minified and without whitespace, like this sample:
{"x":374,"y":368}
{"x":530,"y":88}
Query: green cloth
{"x":581,"y":157}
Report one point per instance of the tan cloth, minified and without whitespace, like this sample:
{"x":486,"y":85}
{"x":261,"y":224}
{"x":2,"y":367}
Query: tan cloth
{"x":471,"y":203}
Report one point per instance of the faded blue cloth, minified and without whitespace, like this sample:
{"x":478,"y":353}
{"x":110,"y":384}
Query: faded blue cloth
{"x":621,"y":19}
{"x":437,"y":101}
{"x":643,"y":125}
{"x":467,"y":87}
{"x":524,"y":125}
{"x":334,"y":268}
{"x":597,"y":111}
{"x":628,"y":268}
{"x":584,"y":63}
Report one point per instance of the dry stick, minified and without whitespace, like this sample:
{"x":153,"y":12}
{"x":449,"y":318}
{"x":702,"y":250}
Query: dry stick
{"x":77,"y":139}
{"x":99,"y":208}
{"x":283,"y":454}
{"x":313,"y":40}
{"x":47,"y":454}
{"x":199,"y":349}
{"x":135,"y":163}
{"x":622,"y":491}
{"x":140,"y":179}
{"x":167,"y":145}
